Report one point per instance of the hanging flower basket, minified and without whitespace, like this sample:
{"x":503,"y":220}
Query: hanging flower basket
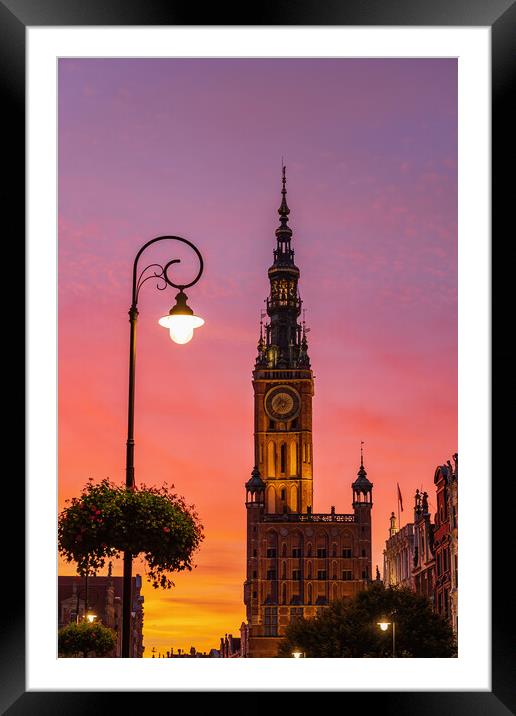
{"x":109,"y":519}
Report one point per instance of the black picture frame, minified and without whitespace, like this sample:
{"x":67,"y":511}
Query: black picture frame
{"x":500,"y":16}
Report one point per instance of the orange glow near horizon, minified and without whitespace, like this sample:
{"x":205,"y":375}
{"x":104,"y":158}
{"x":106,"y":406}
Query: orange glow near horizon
{"x":193,"y":147}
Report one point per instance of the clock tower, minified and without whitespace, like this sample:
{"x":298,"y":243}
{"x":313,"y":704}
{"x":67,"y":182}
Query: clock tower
{"x":298,"y":560}
{"x":283,"y":386}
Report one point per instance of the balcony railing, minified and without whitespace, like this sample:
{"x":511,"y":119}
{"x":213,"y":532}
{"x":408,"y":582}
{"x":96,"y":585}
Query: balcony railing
{"x":283,"y":374}
{"x":308,"y":517}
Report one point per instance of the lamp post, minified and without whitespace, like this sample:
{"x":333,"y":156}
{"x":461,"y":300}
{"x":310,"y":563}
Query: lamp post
{"x":86,"y":591}
{"x":181,"y":323}
{"x":384,"y":625}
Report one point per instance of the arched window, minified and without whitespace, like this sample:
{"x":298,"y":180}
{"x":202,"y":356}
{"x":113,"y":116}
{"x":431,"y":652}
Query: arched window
{"x":309,"y":594}
{"x":271,"y":500}
{"x":309,"y":570}
{"x":271,"y":460}
{"x":284,"y":569}
{"x":293,"y":498}
{"x":309,"y":550}
{"x":335,"y":592}
{"x":283,"y":458}
{"x":284,"y":594}
{"x":284,"y":549}
{"x":293,"y":458}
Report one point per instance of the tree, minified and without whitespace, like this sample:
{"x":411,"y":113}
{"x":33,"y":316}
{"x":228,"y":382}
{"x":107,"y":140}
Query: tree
{"x":349,"y":628}
{"x":108,"y":519}
{"x":86,"y":639}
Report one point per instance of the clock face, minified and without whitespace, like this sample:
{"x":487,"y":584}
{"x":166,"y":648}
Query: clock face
{"x":282,"y":403}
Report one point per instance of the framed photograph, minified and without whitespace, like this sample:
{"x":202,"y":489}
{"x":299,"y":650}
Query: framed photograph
{"x":304,"y":202}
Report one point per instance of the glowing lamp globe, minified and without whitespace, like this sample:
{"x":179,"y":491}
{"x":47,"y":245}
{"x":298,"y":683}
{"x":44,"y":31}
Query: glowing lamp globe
{"x":384,"y":625}
{"x":181,"y":320}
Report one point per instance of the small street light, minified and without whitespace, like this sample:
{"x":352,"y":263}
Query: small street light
{"x":384,"y":625}
{"x":91,"y":617}
{"x":297,"y":654}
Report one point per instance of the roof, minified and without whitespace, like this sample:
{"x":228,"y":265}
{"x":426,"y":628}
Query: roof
{"x":255,"y":482}
{"x":362,"y":482}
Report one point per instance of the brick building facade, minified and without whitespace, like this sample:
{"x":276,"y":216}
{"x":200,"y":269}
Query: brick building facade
{"x":430,"y":547}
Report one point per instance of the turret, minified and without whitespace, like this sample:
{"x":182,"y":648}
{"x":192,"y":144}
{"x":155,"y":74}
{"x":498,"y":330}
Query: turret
{"x":255,"y":489}
{"x":362,"y":488}
{"x":362,"y":504}
{"x":392,"y":529}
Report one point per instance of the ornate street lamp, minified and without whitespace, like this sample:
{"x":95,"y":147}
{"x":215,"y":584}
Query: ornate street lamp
{"x":298,"y":654}
{"x":181,"y":323}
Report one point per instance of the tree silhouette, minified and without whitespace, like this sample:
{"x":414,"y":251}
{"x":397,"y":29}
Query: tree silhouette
{"x":349,"y":628}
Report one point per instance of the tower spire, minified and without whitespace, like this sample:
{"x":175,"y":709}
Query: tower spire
{"x":284,"y":232}
{"x":284,"y":211}
{"x":361,"y":453}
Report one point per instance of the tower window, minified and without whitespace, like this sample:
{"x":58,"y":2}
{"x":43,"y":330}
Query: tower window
{"x":363,"y":553}
{"x":347,"y":575}
{"x":296,"y":575}
{"x":346,"y":553}
{"x":283,"y":490}
{"x":271,"y":574}
{"x":321,"y":552}
{"x":283,"y":458}
{"x":296,"y":552}
{"x":272,"y":425}
{"x":271,"y":552}
{"x":321,"y":574}
{"x":364,"y":574}
{"x":255,"y":574}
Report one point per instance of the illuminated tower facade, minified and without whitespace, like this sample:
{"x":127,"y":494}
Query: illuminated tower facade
{"x":284,"y":386}
{"x":298,"y":561}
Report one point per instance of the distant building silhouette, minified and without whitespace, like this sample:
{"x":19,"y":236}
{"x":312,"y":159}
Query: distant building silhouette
{"x":104,"y":600}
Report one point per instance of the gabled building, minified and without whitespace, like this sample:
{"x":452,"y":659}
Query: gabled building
{"x":446,"y":541}
{"x":398,"y":555}
{"x":424,"y":558}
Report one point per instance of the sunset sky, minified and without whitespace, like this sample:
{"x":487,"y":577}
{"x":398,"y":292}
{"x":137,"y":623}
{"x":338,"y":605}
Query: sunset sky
{"x":194,"y":147}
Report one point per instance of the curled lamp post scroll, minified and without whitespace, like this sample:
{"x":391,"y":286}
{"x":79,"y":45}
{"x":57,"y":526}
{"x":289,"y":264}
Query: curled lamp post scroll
{"x":181,"y":321}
